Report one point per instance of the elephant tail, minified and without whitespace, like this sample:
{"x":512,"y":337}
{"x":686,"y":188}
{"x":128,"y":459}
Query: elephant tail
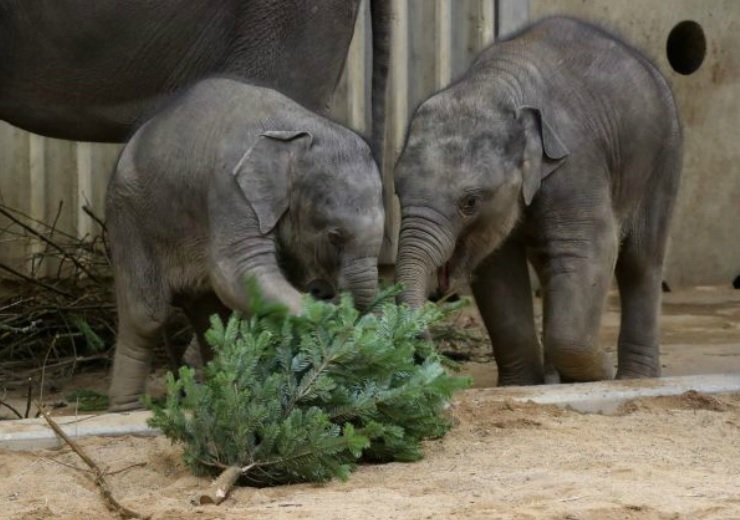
{"x":380,"y":14}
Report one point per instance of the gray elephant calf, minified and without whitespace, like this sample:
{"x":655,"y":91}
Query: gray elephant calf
{"x":561,"y":145}
{"x":228,"y":182}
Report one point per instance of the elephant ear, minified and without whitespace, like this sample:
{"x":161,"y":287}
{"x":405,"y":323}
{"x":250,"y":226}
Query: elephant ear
{"x":263,"y":173}
{"x":544,"y":151}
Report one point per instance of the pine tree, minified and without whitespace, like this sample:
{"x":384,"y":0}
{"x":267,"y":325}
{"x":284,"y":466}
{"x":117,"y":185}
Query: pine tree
{"x":303,"y":398}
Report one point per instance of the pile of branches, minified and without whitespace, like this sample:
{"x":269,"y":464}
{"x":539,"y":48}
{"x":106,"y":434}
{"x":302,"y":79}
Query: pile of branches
{"x":57,"y":311}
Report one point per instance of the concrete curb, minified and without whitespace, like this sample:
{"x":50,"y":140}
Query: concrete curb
{"x":35,"y":434}
{"x":601,"y":397}
{"x":605,"y":397}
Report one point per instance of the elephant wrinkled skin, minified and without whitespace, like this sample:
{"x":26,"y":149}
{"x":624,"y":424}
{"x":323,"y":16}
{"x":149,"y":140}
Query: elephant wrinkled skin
{"x":94,"y":71}
{"x":561,"y":146}
{"x":233,"y":181}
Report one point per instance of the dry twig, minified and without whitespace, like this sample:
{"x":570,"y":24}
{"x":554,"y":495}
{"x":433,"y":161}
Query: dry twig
{"x":11,"y":408}
{"x":29,"y":395}
{"x":74,"y":309}
{"x":126,"y":468}
{"x":34,"y":281}
{"x":48,"y":242}
{"x":103,"y":486}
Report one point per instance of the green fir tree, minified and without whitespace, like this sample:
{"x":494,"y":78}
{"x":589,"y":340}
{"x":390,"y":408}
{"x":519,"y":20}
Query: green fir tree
{"x":303,"y":398}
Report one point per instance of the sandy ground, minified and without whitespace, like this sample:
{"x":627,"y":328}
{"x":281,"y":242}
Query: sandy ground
{"x":667,"y":458}
{"x":700,"y":334}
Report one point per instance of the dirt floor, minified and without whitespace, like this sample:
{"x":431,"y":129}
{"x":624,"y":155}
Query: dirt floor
{"x":700,"y":334}
{"x":662,"y":458}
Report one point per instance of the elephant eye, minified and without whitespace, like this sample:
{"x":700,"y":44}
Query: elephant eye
{"x":335,"y":238}
{"x":469,"y":204}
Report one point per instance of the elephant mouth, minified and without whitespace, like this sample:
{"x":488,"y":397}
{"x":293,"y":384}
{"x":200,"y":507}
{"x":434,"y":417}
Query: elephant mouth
{"x":321,"y":290}
{"x":443,"y":279}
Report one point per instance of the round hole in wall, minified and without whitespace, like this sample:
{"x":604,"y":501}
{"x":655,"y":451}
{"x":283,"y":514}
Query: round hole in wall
{"x":686,"y":47}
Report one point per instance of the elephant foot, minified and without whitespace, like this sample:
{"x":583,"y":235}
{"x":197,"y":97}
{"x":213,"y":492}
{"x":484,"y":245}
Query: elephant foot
{"x":638,"y":360}
{"x":529,"y":377}
{"x":552,"y":377}
{"x":125,"y":406}
{"x":635,"y":374}
{"x":579,"y":367}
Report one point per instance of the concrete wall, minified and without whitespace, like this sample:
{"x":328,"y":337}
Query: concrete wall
{"x":705,"y":239}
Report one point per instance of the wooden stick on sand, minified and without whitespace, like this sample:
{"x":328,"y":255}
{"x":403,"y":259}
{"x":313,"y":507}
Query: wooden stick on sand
{"x":103,"y":486}
{"x":221,"y":486}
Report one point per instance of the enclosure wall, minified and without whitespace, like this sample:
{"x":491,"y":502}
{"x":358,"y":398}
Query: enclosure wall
{"x":433,"y":42}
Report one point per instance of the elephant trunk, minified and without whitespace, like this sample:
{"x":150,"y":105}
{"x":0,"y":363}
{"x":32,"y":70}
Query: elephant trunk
{"x":424,"y":245}
{"x":360,"y":277}
{"x":228,"y":277}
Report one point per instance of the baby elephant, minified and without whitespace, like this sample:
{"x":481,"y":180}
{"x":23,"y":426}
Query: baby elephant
{"x":561,"y":145}
{"x":234,"y":181}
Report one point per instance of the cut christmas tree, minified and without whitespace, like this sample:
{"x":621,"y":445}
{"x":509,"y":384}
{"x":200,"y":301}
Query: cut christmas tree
{"x":304,"y":398}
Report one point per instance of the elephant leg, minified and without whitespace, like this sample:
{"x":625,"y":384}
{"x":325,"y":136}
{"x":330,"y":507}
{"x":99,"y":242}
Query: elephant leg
{"x":192,"y":356}
{"x":199,"y":311}
{"x":141,"y":322}
{"x":639,"y":276}
{"x":502,"y":290}
{"x":639,"y":280}
{"x":577,"y":274}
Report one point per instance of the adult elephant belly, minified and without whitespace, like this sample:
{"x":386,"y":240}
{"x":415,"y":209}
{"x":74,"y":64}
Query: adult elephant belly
{"x":73,"y":70}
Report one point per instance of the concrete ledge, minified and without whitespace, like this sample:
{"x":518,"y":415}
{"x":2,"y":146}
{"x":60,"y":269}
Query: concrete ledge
{"x":605,"y":397}
{"x":35,"y":434}
{"x":602,"y":397}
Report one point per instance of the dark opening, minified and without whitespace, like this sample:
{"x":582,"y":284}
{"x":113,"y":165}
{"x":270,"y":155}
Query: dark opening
{"x":686,"y":47}
{"x":736,"y":282}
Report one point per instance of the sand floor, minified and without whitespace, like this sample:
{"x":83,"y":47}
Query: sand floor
{"x":661,"y":458}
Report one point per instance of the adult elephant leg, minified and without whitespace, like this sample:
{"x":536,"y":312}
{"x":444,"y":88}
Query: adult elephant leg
{"x":576,"y":276}
{"x":503,"y":292}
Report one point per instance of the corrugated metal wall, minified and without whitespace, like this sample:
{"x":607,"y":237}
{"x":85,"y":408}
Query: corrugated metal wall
{"x":49,"y":180}
{"x":433,"y":42}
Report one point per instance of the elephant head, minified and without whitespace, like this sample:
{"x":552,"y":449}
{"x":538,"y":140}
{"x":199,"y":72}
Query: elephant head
{"x":466,"y":172}
{"x":317,"y":192}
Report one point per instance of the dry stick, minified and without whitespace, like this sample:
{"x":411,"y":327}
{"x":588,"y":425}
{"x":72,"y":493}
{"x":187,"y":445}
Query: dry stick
{"x":11,"y":408}
{"x":111,"y":503}
{"x":126,"y":468}
{"x":16,"y":211}
{"x":43,"y":370}
{"x":95,"y":218}
{"x":71,"y":360}
{"x":103,"y":227}
{"x":29,"y":393}
{"x":221,"y":486}
{"x":51,"y":243}
{"x":70,"y":466}
{"x":51,"y":233}
{"x":34,"y":281}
